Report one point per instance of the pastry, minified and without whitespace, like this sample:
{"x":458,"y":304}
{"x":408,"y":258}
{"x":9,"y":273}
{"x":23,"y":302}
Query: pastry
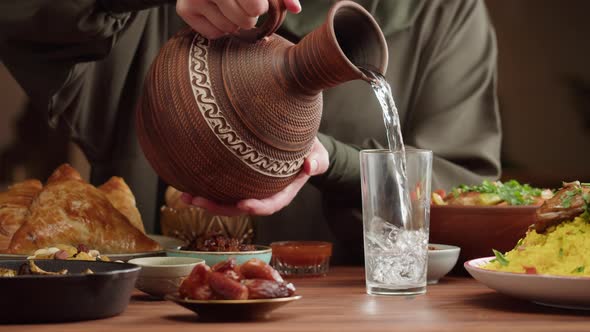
{"x":69,"y":211}
{"x":119,"y":194}
{"x":14,"y":207}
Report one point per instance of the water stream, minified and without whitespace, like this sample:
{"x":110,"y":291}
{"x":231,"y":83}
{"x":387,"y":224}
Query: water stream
{"x":395,"y":140}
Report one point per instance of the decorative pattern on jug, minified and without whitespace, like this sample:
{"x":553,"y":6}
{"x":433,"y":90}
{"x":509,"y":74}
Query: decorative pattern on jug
{"x":217,"y":122}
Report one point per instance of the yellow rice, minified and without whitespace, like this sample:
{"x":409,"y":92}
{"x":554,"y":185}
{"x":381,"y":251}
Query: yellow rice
{"x":562,"y":250}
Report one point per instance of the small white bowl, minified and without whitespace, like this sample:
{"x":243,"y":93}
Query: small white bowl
{"x":441,"y":261}
{"x":163,"y":275}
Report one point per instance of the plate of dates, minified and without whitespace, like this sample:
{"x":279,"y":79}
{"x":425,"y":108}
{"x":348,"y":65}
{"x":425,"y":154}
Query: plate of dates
{"x":228,"y":291}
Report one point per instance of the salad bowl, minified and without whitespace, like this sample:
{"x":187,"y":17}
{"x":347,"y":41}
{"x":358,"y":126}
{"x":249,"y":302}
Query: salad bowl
{"x":479,"y":218}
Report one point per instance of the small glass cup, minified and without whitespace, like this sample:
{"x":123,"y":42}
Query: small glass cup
{"x":396,"y":220}
{"x":301,"y":258}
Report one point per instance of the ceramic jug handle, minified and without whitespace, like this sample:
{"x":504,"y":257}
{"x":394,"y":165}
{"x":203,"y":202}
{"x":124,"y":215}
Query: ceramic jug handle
{"x":274,"y":18}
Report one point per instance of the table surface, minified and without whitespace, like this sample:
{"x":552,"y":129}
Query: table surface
{"x":339,"y":302}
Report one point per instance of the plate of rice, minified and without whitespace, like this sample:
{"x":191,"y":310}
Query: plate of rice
{"x":551,"y":269}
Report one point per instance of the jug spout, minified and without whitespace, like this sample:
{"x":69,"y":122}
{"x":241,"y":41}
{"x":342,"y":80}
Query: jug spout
{"x":332,"y":54}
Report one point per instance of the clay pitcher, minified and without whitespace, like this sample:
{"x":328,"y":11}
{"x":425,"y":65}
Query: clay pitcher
{"x":234,"y":118}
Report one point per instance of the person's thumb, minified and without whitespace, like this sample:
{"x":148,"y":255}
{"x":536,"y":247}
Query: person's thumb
{"x":293,"y":6}
{"x":318,"y":160}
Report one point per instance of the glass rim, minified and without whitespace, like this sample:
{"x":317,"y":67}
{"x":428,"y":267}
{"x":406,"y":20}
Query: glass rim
{"x":387,"y":151}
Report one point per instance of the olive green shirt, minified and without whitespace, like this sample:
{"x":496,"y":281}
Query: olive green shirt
{"x":82,"y":63}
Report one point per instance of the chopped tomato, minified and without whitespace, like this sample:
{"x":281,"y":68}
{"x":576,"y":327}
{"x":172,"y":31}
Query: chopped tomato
{"x":417,"y":193}
{"x":441,"y":192}
{"x":530,"y":269}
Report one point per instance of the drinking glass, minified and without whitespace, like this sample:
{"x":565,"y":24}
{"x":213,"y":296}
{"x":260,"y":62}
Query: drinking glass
{"x":396,"y":216}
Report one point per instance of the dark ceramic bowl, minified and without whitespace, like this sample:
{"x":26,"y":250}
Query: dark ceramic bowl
{"x":72,"y":297}
{"x":479,"y":229}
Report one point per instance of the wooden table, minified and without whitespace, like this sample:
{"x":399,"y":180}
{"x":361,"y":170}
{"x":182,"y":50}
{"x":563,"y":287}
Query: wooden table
{"x":339,"y":303}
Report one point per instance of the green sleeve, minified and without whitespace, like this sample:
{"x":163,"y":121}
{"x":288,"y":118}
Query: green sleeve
{"x":45,"y":43}
{"x":343,"y":174}
{"x":341,"y":183}
{"x":456,"y":110}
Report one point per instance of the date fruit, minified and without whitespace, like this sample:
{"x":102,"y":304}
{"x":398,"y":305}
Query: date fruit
{"x":227,"y":288}
{"x":223,"y":266}
{"x":226,"y":280}
{"x":267,"y":289}
{"x":229,"y":268}
{"x":196,"y":285}
{"x":258,"y":269}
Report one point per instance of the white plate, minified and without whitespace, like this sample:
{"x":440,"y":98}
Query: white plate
{"x":555,"y":291}
{"x":166,"y":242}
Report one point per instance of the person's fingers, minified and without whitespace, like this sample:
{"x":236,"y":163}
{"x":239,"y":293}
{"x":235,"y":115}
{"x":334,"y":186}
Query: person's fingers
{"x":201,"y":25}
{"x":318,"y":160}
{"x":214,"y":15}
{"x":186,"y":8}
{"x":232,"y":10}
{"x":253,"y":8}
{"x":189,"y":11}
{"x":215,"y":208}
{"x":316,"y":163}
{"x":186,"y":198}
{"x":292,"y":6}
{"x":268,"y":206}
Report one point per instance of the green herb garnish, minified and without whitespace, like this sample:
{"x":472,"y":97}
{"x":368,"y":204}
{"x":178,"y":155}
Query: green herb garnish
{"x":566,"y":202}
{"x":560,"y":252}
{"x":511,"y":191}
{"x":500,"y":257}
{"x":579,"y":269}
{"x":519,"y":243}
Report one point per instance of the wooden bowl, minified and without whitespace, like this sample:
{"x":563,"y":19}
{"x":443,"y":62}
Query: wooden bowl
{"x":479,"y":229}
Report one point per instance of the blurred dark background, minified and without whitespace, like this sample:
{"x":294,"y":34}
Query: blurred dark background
{"x":544,"y":93}
{"x":544,"y":88}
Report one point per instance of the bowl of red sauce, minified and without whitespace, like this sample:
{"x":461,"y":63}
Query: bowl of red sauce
{"x":301,"y":258}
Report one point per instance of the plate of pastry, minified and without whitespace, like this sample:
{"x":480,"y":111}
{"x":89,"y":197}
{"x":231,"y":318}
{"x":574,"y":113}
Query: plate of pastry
{"x":68,"y":218}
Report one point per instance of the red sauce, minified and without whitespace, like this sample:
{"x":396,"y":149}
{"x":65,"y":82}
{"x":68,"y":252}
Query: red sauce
{"x":301,"y":253}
